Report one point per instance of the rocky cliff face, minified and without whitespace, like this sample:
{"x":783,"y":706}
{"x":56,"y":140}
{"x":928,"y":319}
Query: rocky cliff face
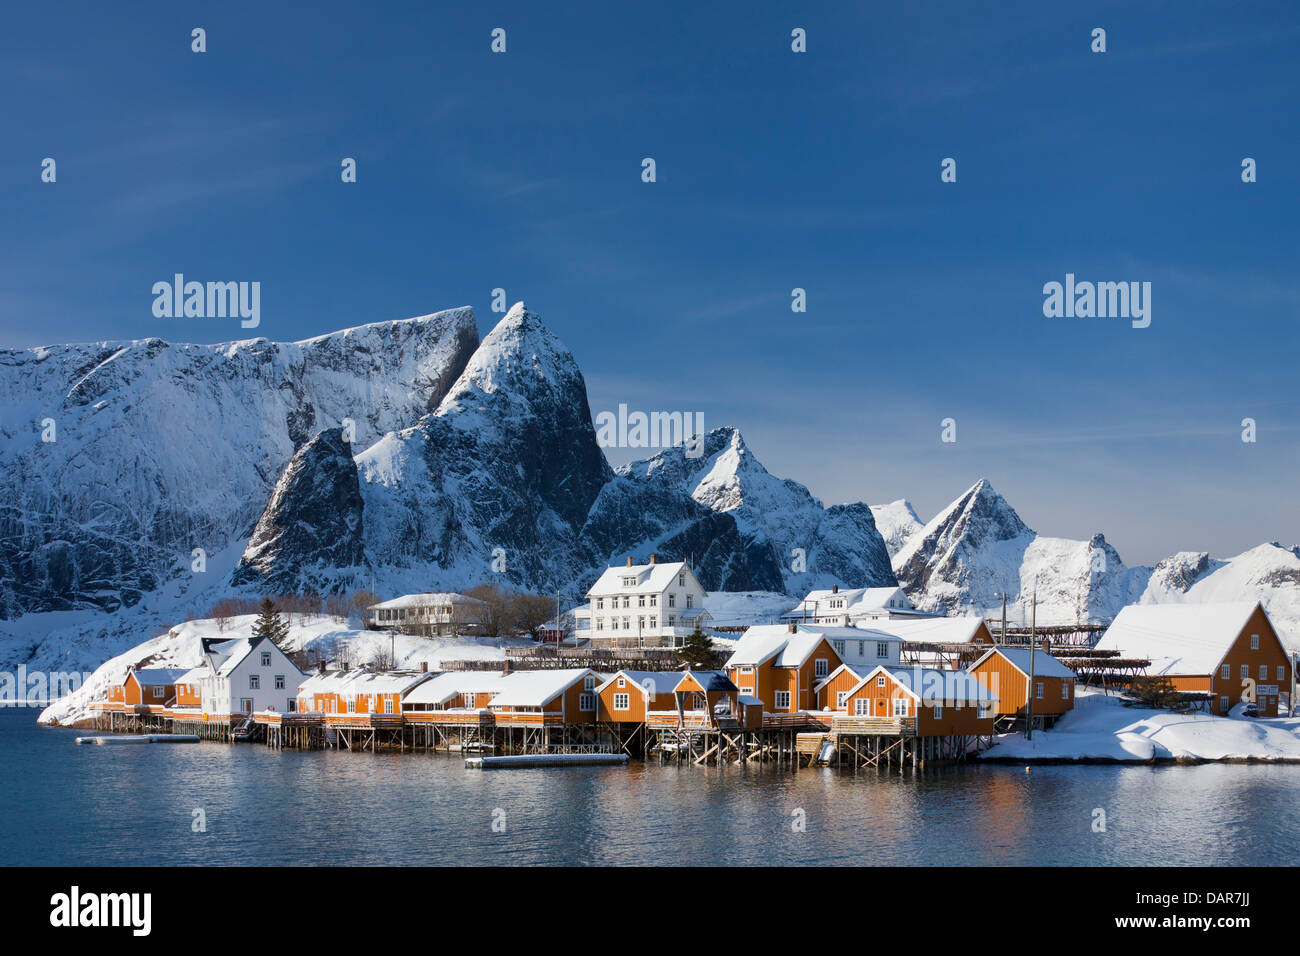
{"x":159,"y":448}
{"x":314,"y":515}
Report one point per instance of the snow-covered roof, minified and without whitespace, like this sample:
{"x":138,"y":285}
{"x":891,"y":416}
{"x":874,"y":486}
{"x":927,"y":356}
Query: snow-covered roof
{"x":194,"y":675}
{"x":933,"y":630}
{"x":1177,"y":638}
{"x":426,"y":599}
{"x":1044,"y":665}
{"x":763,"y":642}
{"x":352,"y":683}
{"x":650,"y":578}
{"x":931,"y":684}
{"x":536,"y":688}
{"x":154,"y":676}
{"x":749,"y":701}
{"x":444,"y":687}
{"x":856,"y":600}
{"x":656,"y":682}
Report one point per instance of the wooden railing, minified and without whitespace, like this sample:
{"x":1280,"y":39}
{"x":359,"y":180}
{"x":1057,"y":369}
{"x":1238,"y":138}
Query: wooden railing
{"x":892,"y":726}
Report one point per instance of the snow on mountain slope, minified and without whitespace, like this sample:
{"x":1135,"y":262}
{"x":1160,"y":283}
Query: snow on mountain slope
{"x":978,"y":549}
{"x":896,"y":522}
{"x":1269,"y":573}
{"x":775,"y":516}
{"x":160,"y":449}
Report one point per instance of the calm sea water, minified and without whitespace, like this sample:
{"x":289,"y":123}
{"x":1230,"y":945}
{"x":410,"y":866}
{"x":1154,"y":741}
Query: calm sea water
{"x":61,"y":804}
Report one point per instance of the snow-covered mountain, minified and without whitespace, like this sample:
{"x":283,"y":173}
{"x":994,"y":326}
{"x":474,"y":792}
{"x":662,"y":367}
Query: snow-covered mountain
{"x":896,"y":522}
{"x":792,"y":542}
{"x":978,"y":549}
{"x":159,"y":449}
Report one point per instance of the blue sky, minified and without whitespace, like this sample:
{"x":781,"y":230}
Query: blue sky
{"x":775,"y":170}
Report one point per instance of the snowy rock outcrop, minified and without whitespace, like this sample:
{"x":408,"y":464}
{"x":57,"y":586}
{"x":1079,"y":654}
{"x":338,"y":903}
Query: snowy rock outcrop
{"x":896,"y":522}
{"x":315,"y":515}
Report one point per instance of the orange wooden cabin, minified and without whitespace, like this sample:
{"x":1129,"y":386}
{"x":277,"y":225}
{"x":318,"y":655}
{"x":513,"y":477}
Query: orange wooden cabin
{"x":942,"y":703}
{"x":781,"y":665}
{"x":546,"y":698}
{"x":1228,"y":651}
{"x":1005,"y":672}
{"x":626,"y":697}
{"x":150,"y":687}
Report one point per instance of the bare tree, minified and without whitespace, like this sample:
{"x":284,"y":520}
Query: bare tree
{"x":531,"y":612}
{"x":493,"y":612}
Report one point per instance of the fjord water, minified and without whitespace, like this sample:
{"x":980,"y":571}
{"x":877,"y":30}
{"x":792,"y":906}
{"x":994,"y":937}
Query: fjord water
{"x":67,"y":805}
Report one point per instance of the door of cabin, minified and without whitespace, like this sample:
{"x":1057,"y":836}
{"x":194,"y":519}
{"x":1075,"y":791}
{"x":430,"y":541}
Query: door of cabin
{"x":881,"y":705}
{"x":246,"y":704}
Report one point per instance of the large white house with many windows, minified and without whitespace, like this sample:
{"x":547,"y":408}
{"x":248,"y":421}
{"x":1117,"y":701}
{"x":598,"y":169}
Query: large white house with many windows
{"x":245,"y":676}
{"x":847,"y":607}
{"x":646,"y":605}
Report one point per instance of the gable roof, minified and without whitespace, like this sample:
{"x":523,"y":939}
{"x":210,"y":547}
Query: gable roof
{"x":933,"y":685}
{"x":1045,"y":665}
{"x":651,"y":578}
{"x":647,"y":682}
{"x":843,"y":668}
{"x":856,"y":601}
{"x":158,"y":676}
{"x":536,"y":688}
{"x":352,"y":683}
{"x":425,"y":599}
{"x":709,"y":680}
{"x":1178,"y":638}
{"x":777,"y":643}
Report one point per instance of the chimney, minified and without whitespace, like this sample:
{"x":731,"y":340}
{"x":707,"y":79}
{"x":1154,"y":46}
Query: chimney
{"x":835,"y":589}
{"x":320,"y":667}
{"x":629,"y":560}
{"x":506,"y":667}
{"x":424,"y":667}
{"x":794,"y":628}
{"x":654,"y":559}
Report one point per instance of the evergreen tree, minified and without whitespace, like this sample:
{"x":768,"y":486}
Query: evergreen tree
{"x":269,"y":623}
{"x":697,"y":650}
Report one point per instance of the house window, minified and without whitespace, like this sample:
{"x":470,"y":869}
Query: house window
{"x":782,"y":700}
{"x":266,"y":658}
{"x":600,"y":623}
{"x":622,"y":701}
{"x":640,"y":600}
{"x":900,"y":706}
{"x":254,"y":682}
{"x":1263,"y":672}
{"x":622,"y":682}
{"x":654,"y":621}
{"x":1065,"y":690}
{"x":1245,"y":671}
{"x":938,"y":712}
{"x":654,"y":600}
{"x":1223,"y":705}
{"x":862,"y":707}
{"x":388,"y":705}
{"x":1281,"y":672}
{"x":1038,"y":689}
{"x":626,"y":599}
{"x":589,"y":682}
{"x":821,"y":667}
{"x":157,"y":691}
{"x":1254,"y":642}
{"x":880,"y":681}
{"x":600,"y":604}
{"x":681,"y":580}
{"x":279,"y":682}
{"x":1226,"y":672}
{"x":882,"y":649}
{"x":839,"y":647}
{"x":672,"y":621}
{"x":352,"y":705}
{"x":293,"y":706}
{"x":840,"y":698}
{"x":672,"y":600}
{"x":640,"y":622}
{"x":690,"y":600}
{"x":747,"y":669}
{"x":586,"y":702}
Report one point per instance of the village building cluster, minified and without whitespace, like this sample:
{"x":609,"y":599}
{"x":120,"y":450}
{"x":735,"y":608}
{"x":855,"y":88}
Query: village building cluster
{"x":859,"y":671}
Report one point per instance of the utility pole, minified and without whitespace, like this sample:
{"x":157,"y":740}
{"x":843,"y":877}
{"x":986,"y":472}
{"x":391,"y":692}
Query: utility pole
{"x":1033,"y":641}
{"x":1004,"y":617}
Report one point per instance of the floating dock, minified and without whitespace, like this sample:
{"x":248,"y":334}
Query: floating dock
{"x":544,"y":760}
{"x":143,"y":739}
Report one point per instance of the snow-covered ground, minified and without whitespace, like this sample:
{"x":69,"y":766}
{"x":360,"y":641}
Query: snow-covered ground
{"x":330,"y":636}
{"x":1101,"y":728}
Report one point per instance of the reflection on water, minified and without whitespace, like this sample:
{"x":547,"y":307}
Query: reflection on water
{"x":63,"y":804}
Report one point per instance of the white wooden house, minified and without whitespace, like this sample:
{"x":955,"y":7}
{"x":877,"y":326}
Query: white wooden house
{"x":646,"y":605}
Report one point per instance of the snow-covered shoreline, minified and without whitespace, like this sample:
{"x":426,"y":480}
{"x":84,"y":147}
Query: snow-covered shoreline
{"x":1102,"y":730}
